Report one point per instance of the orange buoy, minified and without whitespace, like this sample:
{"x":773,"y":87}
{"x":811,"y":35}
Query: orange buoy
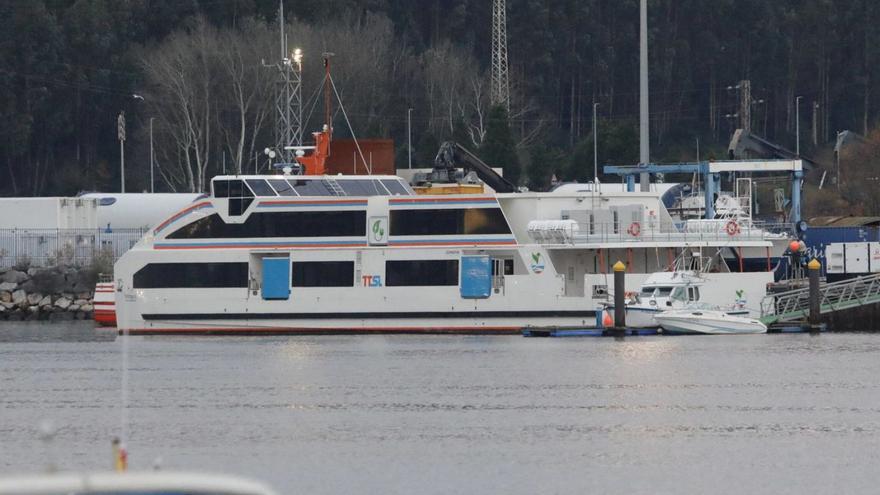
{"x":794,"y":246}
{"x":606,"y":320}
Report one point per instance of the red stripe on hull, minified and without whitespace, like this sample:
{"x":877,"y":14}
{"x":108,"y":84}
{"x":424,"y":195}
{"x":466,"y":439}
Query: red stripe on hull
{"x":103,"y":303}
{"x":442,"y":200}
{"x":498,"y":330}
{"x":105,"y":318}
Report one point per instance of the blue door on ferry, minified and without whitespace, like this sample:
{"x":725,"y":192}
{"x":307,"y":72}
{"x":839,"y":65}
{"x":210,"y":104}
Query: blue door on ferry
{"x":276,"y":278}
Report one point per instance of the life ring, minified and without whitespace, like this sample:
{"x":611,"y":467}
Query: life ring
{"x":732,"y":228}
{"x":634,"y":229}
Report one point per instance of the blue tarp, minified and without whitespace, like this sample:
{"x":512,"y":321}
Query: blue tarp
{"x":276,"y":278}
{"x":476,"y":277}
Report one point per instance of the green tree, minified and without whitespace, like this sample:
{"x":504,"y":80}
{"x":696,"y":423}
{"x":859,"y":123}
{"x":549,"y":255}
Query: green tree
{"x":544,"y":163}
{"x":618,"y":145}
{"x":498,"y":148}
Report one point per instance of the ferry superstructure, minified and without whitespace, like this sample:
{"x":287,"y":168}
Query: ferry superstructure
{"x":350,"y":254}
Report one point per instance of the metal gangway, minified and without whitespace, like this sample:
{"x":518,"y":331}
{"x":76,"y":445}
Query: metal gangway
{"x":836,"y":296}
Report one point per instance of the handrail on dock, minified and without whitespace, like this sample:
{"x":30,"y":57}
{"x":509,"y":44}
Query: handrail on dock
{"x":835,"y":296}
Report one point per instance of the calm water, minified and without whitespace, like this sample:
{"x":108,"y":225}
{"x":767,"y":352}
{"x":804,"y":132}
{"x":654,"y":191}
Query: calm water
{"x":449,"y":414}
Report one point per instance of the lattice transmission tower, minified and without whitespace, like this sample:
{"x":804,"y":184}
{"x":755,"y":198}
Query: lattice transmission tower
{"x":288,"y":97}
{"x":500,"y":90}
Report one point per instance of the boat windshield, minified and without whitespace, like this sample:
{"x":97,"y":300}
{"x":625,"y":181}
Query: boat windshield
{"x":679,"y":294}
{"x":656,"y":291}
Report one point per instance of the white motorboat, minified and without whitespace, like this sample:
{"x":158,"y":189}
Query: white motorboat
{"x":709,"y":322}
{"x":687,"y":289}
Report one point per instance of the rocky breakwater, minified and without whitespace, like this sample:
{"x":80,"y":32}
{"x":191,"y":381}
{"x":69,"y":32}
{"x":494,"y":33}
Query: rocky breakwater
{"x":55,"y":293}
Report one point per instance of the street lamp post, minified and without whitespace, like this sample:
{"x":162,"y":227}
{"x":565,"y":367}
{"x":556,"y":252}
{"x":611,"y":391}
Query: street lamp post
{"x":595,"y":145}
{"x":409,"y":136}
{"x":152,"y":160}
{"x":120,"y":133}
{"x":797,"y":119}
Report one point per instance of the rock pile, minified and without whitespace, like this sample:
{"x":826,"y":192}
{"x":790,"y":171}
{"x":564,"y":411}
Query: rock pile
{"x":57,"y":293}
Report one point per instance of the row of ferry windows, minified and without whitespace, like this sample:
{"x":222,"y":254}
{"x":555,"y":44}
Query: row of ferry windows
{"x":249,"y":188}
{"x":351,"y":223}
{"x":398,"y":273}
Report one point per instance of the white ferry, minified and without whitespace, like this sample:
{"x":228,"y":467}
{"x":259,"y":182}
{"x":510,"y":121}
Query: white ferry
{"x":315,"y":253}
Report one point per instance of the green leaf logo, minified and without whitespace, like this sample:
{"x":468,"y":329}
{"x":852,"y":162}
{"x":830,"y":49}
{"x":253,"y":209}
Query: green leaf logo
{"x":378,"y":231}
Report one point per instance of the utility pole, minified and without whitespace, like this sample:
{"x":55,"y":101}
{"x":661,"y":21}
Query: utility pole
{"x":152,"y":160}
{"x":644,"y":134}
{"x":120,"y":133}
{"x":409,"y":136}
{"x":797,"y":113}
{"x":500,"y":90}
{"x":745,"y":105}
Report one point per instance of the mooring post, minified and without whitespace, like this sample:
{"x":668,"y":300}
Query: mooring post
{"x":813,"y":269}
{"x":619,"y":299}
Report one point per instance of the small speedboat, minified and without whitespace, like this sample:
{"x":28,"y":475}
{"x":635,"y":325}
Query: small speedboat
{"x":708,"y":322}
{"x":153,"y":483}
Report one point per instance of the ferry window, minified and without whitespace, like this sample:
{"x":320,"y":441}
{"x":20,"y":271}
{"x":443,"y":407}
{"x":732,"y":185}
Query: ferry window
{"x":696,"y":293}
{"x":191,"y":275}
{"x":231,"y":189}
{"x":282,"y":187}
{"x":647,"y":291}
{"x":310,"y":187}
{"x":237,"y":206}
{"x":664,"y":291}
{"x":395,"y":187}
{"x":221,"y":188}
{"x":448,"y":222}
{"x":260,"y":187}
{"x":421,"y":272}
{"x":322,"y":274}
{"x":502,"y":266}
{"x":349,"y":223}
{"x":106,"y":201}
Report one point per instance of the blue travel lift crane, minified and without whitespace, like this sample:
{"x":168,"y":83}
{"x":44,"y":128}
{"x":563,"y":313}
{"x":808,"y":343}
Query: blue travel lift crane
{"x":710,"y":170}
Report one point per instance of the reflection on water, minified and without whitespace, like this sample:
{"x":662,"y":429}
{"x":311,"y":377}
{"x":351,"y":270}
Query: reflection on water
{"x":440,"y":414}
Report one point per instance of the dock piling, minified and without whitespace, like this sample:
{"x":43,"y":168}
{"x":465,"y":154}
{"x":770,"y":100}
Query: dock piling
{"x":619,"y":299}
{"x":813,"y":269}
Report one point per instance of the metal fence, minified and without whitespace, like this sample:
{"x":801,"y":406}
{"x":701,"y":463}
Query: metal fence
{"x":48,"y":247}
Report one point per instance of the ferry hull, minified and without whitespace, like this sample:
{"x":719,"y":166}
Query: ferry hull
{"x":379,"y":325}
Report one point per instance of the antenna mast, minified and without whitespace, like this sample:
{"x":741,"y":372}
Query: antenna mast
{"x":500,"y":91}
{"x":288,"y":97}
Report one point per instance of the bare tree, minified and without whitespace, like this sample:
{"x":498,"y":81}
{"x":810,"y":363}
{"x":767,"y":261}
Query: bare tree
{"x":182,"y":73}
{"x":449,"y":73}
{"x":246,"y":90}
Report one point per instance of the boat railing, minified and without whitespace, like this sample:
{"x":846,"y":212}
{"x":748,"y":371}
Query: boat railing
{"x":705,"y":230}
